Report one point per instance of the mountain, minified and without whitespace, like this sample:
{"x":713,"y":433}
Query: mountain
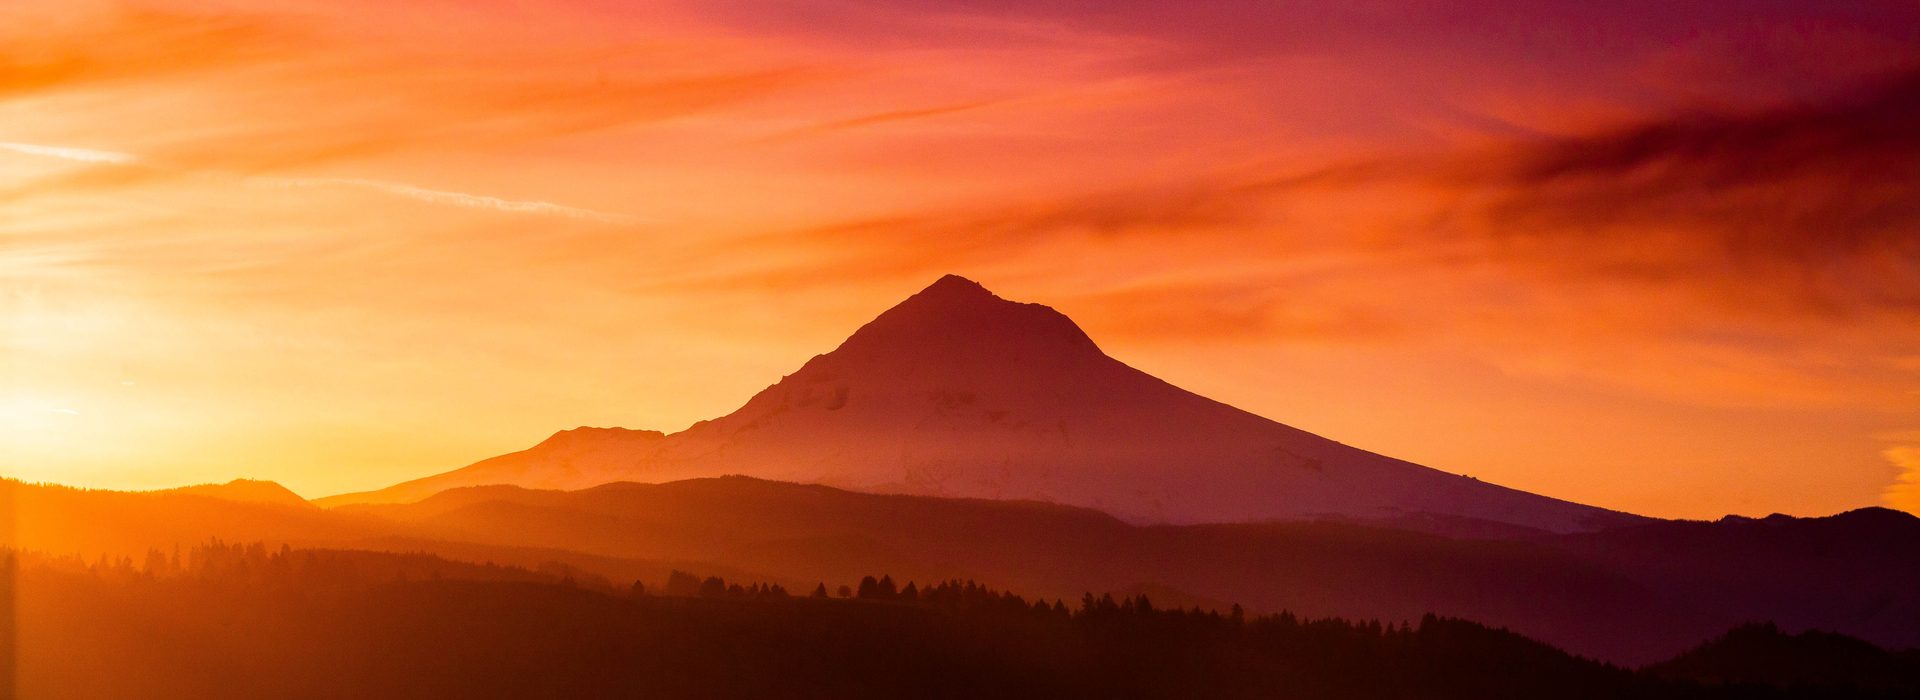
{"x":957,"y":392}
{"x":246,"y":491}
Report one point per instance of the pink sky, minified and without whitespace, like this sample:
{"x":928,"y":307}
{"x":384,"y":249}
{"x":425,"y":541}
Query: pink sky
{"x":1652,"y":257}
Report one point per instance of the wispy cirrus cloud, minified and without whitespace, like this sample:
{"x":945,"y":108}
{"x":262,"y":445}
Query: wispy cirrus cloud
{"x":1904,"y":494}
{"x":881,"y":118}
{"x":1752,"y":226}
{"x":393,"y":189}
{"x":258,"y":88}
{"x":83,"y":155}
{"x":457,"y":199}
{"x":1291,"y":201}
{"x":1810,"y":207}
{"x":43,"y":50}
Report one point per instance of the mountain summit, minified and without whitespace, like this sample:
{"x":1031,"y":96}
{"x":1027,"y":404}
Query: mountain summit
{"x":956,"y":318}
{"x":958,"y":392}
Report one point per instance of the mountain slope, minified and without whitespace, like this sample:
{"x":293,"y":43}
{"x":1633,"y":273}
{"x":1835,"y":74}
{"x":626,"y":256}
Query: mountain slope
{"x":569,"y":459}
{"x":957,"y":392}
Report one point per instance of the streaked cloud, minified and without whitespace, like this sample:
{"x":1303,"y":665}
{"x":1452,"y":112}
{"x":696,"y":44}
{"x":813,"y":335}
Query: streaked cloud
{"x":1408,"y":226}
{"x":83,"y":155}
{"x":457,"y":199}
{"x":50,"y":47}
{"x":1811,"y":205}
{"x":1904,"y":494}
{"x":396,"y":189}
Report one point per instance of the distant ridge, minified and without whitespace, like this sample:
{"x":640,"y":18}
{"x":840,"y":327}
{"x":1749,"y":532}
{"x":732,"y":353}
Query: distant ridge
{"x":958,"y":392}
{"x":246,"y":491}
{"x":1631,"y":594}
{"x":1762,"y":653}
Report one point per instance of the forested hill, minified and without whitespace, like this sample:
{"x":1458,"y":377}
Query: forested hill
{"x":224,"y":621}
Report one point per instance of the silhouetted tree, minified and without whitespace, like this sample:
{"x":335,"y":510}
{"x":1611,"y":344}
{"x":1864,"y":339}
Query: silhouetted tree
{"x":156,"y":563}
{"x":819,"y":591}
{"x":1001,"y":644}
{"x":681,"y":583}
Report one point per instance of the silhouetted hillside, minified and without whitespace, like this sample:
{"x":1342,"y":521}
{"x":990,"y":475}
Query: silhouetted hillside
{"x":1854,"y":572}
{"x":246,"y":491}
{"x":119,"y":524}
{"x":247,"y":622}
{"x":95,"y":522}
{"x":1632,"y":595}
{"x":1762,"y":654}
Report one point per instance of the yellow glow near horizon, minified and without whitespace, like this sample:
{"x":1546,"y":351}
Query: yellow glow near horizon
{"x":339,"y":245}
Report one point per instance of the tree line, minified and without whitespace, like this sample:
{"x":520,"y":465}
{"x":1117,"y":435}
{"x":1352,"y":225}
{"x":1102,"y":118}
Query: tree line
{"x":244,"y":620}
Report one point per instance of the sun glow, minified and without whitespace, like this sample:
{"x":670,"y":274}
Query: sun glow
{"x":313,"y":224}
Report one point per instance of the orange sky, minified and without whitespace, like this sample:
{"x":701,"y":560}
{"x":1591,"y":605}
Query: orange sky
{"x":1654,"y":258}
